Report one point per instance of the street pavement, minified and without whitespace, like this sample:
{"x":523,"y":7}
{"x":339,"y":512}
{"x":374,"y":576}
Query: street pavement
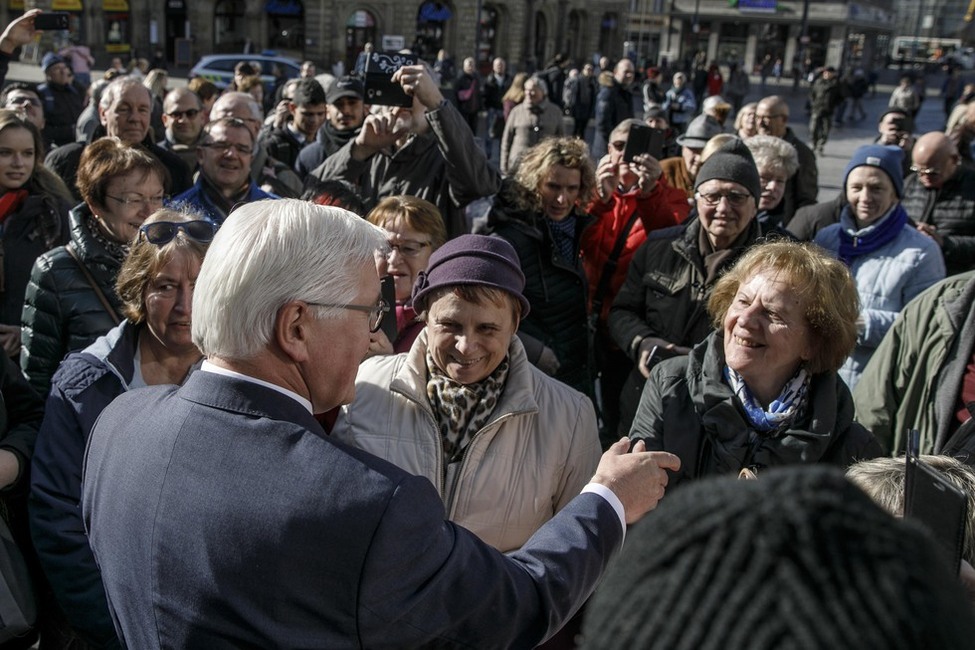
{"x":842,"y":142}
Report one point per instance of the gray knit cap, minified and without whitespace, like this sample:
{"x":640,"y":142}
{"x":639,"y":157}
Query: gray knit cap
{"x":732,"y":162}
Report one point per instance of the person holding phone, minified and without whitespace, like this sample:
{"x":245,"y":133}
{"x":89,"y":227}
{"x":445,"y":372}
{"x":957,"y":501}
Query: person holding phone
{"x":633,"y":199}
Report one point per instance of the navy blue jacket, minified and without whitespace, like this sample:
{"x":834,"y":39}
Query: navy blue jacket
{"x":197,"y":199}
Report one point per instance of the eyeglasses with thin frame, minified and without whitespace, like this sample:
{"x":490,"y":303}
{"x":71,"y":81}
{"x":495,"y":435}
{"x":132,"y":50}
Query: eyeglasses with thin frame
{"x":735,"y":199}
{"x":376,"y":312}
{"x":407,"y":248}
{"x":223,"y":147}
{"x":761,"y":118}
{"x":20,"y":101}
{"x":926,"y":171}
{"x":189,"y":114}
{"x":151,"y":202}
{"x":161,"y":233}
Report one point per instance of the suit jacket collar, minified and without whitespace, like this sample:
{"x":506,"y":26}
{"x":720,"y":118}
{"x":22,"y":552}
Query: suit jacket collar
{"x":246,"y":398}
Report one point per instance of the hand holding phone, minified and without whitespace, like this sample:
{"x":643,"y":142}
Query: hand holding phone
{"x":51,"y":20}
{"x":643,"y":140}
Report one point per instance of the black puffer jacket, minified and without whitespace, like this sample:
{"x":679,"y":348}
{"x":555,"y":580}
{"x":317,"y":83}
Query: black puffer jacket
{"x":62,"y":312}
{"x":556,"y":289}
{"x":952,"y":209}
{"x":689,"y":410}
{"x":39,"y":225}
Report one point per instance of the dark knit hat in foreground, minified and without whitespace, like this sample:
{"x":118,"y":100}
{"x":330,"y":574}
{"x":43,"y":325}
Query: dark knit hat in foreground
{"x":472,"y":260}
{"x":799,"y":558}
{"x":888,"y":158}
{"x":732,"y":162}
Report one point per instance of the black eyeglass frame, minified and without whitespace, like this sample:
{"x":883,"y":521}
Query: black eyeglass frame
{"x":380,"y":310}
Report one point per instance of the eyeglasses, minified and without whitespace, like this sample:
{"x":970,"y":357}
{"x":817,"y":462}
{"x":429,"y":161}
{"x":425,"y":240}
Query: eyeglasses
{"x":189,"y":114}
{"x":376,"y":312}
{"x":161,"y":233}
{"x":408,"y":248}
{"x":926,"y":171}
{"x":762,"y":118}
{"x":20,"y":101}
{"x":619,"y":145}
{"x":151,"y":202}
{"x":736,"y":199}
{"x":223,"y":147}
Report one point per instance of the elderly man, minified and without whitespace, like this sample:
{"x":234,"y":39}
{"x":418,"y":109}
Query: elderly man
{"x":660,"y":311}
{"x":614,"y":103}
{"x":124,"y":112}
{"x":63,"y":102}
{"x":772,"y":118}
{"x":307,"y":110}
{"x":425,"y":150}
{"x":528,"y":123}
{"x":496,"y":85}
{"x":345,"y":112}
{"x":224,"y":157}
{"x":183,"y":118}
{"x":681,"y":171}
{"x":270,"y":174}
{"x":221,"y":514}
{"x":939,"y":196}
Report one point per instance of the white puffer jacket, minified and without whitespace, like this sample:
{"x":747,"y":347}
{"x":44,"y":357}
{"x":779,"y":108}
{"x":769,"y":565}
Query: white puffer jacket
{"x":536,"y":453}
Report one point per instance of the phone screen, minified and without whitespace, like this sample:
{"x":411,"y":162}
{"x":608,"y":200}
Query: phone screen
{"x":643,"y":139}
{"x":388,"y":289}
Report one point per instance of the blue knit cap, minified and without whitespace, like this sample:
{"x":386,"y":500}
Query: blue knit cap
{"x":887,"y":157}
{"x":50,"y":59}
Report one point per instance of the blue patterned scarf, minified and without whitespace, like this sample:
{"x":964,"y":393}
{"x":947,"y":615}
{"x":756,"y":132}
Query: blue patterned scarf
{"x":782,"y":412}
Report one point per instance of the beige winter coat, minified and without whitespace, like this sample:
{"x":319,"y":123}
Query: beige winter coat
{"x":538,"y":450}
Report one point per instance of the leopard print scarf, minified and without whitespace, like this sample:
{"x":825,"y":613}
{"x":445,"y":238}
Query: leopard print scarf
{"x":462,"y":410}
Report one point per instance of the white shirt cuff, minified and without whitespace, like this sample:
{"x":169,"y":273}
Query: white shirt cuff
{"x":610,"y":496}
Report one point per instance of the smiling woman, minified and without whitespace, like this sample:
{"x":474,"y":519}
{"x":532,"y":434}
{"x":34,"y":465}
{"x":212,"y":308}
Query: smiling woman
{"x":151,"y":346}
{"x":762,"y":390}
{"x":506,"y":446}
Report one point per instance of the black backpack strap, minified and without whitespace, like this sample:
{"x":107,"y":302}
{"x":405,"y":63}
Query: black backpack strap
{"x":602,"y":288}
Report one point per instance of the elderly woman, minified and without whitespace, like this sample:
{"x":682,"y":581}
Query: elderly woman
{"x":416,"y":230}
{"x":530,"y":121}
{"x":506,"y":446}
{"x":71,"y":297}
{"x":777,"y":161}
{"x":745,"y":124}
{"x":762,"y":390}
{"x":890,"y":260}
{"x":151,"y":346}
{"x":34,"y":206}
{"x":660,"y":311}
{"x":541,"y":212}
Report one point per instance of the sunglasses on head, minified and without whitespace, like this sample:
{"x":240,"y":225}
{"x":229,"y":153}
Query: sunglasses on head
{"x":161,"y":233}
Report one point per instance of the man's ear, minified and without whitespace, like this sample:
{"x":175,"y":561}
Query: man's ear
{"x":292,"y":330}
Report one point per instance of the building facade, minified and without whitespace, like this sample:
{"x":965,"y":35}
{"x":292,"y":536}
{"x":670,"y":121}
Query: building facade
{"x":526,"y":32}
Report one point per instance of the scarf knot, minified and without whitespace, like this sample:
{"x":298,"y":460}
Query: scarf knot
{"x":782,"y":411}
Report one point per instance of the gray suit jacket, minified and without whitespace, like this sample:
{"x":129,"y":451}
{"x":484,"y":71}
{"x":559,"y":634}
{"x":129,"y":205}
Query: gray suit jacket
{"x":222,"y":515}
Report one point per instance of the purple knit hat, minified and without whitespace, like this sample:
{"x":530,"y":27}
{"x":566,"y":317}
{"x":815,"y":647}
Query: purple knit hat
{"x":472,"y":260}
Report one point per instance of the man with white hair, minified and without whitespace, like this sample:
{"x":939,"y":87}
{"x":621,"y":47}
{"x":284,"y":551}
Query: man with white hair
{"x":221,"y":514}
{"x":528,"y":122}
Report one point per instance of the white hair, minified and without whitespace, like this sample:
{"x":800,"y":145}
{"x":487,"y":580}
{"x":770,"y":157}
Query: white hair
{"x":117,"y":88}
{"x":268,"y":253}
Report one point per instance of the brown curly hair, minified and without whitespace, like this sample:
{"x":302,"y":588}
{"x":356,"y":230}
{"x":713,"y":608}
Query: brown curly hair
{"x":825,"y":284}
{"x":536,"y":164}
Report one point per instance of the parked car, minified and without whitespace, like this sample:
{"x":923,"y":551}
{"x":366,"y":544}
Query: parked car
{"x":219,"y":68}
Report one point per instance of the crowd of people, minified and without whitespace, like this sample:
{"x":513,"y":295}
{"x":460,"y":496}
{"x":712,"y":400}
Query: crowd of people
{"x":286,"y":369}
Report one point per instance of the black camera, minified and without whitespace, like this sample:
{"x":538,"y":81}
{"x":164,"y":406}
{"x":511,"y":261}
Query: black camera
{"x":376,"y":71}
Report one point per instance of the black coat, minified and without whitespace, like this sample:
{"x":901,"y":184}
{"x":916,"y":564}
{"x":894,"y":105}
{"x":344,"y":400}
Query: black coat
{"x":62,"y":108}
{"x":556,"y":289}
{"x":952,"y":209}
{"x":689,"y":410}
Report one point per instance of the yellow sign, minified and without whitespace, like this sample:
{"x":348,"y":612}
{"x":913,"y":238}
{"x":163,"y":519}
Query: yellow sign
{"x":115,"y":5}
{"x":118,"y":47}
{"x":66,"y":5}
{"x":17,"y":5}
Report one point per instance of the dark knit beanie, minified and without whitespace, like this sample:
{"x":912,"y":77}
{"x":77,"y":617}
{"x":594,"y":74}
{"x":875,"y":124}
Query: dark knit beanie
{"x":472,"y":260}
{"x":799,"y":558}
{"x":732,"y":162}
{"x":889,"y":158}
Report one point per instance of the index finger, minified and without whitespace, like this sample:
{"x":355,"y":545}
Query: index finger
{"x":665,"y":460}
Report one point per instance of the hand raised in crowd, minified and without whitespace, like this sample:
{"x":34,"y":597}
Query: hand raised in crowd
{"x":379,"y":343}
{"x":647,"y":170}
{"x":607,"y":177}
{"x":650,"y":343}
{"x":19,"y":32}
{"x":931,"y":231}
{"x":418,"y":81}
{"x":637,"y":478}
{"x":379,"y":131}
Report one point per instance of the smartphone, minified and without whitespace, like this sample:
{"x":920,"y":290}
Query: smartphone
{"x":643,"y":139}
{"x":657,"y":354}
{"x":388,"y":289}
{"x":938,"y":504}
{"x":51,"y":20}
{"x":376,"y":70}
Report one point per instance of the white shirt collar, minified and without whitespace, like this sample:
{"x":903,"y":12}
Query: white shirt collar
{"x":218,"y":370}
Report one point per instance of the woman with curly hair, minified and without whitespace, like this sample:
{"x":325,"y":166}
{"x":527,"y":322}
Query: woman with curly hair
{"x":539,"y":210}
